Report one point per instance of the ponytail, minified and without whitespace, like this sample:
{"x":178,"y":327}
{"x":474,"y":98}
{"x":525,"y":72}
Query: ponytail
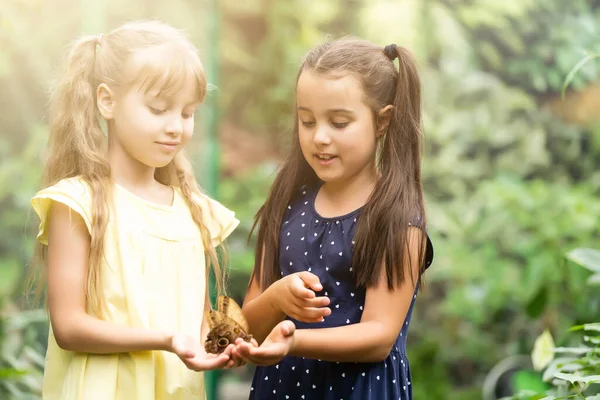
{"x":397,"y":200}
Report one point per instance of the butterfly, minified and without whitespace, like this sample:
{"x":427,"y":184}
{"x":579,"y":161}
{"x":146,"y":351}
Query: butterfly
{"x":226,"y":323}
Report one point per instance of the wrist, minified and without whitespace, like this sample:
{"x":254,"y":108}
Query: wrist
{"x":273,"y":297}
{"x":293,"y":349}
{"x":166,"y":342}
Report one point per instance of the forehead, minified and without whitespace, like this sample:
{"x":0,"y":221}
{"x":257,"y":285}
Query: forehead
{"x":339,"y":90}
{"x":185,"y":93}
{"x":166,"y":73}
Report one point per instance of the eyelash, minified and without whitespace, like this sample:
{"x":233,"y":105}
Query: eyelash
{"x":340,"y":125}
{"x":156,"y":111}
{"x":337,"y":125}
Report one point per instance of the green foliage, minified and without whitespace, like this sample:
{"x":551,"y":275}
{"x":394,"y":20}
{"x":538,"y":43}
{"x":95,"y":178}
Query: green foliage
{"x":575,"y":373}
{"x":530,"y":43}
{"x":589,"y":259}
{"x":509,"y":187}
{"x":573,"y":72}
{"x":21,"y":354}
{"x":244,"y":194}
{"x":263,"y":45}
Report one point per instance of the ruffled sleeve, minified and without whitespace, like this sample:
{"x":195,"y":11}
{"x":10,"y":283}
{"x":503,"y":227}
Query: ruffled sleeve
{"x":219,"y":220}
{"x":73,"y":192}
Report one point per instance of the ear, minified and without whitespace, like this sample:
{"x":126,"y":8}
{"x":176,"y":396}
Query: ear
{"x":106,"y":101}
{"x":383,"y":120}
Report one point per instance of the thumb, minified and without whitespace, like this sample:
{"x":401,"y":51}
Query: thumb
{"x":287,"y":328}
{"x":188,"y":353}
{"x":311,"y":281}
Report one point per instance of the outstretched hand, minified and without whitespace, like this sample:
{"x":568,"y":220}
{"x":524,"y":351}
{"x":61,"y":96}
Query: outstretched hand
{"x":193,"y":355}
{"x":276,"y":346}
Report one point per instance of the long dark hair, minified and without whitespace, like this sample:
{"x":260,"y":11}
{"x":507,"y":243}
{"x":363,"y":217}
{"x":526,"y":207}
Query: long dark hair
{"x":397,"y":200}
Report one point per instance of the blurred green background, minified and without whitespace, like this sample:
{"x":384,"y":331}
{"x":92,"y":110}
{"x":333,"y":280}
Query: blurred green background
{"x":511,"y":170}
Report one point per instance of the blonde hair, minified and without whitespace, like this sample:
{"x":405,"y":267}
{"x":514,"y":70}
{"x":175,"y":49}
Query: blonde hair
{"x":77,"y":144}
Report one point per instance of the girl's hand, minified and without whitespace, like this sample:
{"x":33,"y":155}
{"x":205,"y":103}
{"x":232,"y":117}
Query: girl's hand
{"x":276,"y":346}
{"x":236,"y":359}
{"x":193,"y":355}
{"x":295,"y":296}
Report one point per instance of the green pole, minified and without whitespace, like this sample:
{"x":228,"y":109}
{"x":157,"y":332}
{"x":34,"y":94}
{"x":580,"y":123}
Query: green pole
{"x":211,"y":119}
{"x":425,"y":37}
{"x":212,"y":115}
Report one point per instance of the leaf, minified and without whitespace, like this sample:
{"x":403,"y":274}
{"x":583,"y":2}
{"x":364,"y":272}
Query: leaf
{"x":572,"y":350}
{"x":528,"y":380}
{"x":586,"y":257}
{"x":543,"y":352}
{"x":575,"y":69}
{"x":578,"y":378}
{"x":594,"y":279}
{"x":537,"y":305}
{"x":586,"y":327}
{"x":8,"y":373}
{"x":592,"y":339}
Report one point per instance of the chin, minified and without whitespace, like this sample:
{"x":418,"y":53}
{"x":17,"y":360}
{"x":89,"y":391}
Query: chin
{"x":161,"y":163}
{"x":328,"y":178}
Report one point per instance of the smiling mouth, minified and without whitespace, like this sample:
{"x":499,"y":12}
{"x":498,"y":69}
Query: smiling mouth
{"x":325,"y":157}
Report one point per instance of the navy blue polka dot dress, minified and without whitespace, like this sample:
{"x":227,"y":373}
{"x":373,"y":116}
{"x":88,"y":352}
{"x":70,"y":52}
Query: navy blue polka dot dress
{"x":323,"y":246}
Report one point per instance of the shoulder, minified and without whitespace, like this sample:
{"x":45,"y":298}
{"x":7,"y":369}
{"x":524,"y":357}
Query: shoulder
{"x":73,"y":192}
{"x":70,"y":190}
{"x":211,"y":207}
{"x":418,"y":224}
{"x":219,"y":219}
{"x":74,"y":186}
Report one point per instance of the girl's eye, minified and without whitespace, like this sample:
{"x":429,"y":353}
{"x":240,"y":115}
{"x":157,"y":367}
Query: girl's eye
{"x":340,"y":125}
{"x":308,"y":124}
{"x":156,"y":110}
{"x":188,"y":115}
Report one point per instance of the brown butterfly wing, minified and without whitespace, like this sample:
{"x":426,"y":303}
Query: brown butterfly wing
{"x":226,"y":325}
{"x":214,"y":318}
{"x":233,"y":311}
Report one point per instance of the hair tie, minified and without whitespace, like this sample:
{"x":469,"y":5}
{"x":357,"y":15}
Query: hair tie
{"x":390,"y":51}
{"x":99,"y":39}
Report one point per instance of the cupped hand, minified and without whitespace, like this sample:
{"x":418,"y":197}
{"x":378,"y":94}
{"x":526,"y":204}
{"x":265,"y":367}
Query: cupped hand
{"x":295,"y":296}
{"x":193,"y":355}
{"x":275,"y":347}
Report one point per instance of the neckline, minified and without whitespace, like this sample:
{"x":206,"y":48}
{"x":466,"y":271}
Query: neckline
{"x":334,"y":218}
{"x":149,"y":203}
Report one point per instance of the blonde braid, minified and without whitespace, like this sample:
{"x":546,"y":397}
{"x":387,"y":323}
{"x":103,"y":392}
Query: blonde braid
{"x":192,"y":194}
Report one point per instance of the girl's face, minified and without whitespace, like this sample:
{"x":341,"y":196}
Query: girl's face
{"x":336,"y":128}
{"x":145,"y":126}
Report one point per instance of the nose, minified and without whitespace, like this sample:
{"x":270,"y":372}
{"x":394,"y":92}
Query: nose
{"x":322,"y":136}
{"x":174,"y":126}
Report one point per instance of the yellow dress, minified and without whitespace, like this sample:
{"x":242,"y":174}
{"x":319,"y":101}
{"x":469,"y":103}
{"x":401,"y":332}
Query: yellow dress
{"x":154,"y":277}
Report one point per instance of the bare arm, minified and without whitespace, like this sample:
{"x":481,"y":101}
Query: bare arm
{"x":260,"y":311}
{"x":74,"y":329}
{"x":293,"y":295}
{"x":371,"y":340}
